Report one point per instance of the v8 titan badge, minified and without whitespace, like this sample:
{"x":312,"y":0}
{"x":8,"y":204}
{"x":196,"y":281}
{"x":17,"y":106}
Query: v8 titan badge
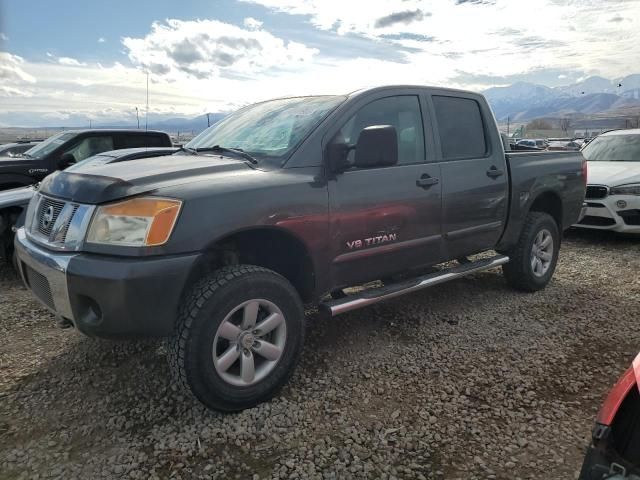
{"x":368,"y":242}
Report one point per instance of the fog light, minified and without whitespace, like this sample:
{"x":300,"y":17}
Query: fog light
{"x":621,"y":204}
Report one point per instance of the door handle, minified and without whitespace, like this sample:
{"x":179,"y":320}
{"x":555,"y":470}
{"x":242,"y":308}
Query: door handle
{"x":493,"y":172}
{"x":425,"y":181}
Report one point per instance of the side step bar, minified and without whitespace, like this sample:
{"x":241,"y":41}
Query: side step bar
{"x":375,"y":295}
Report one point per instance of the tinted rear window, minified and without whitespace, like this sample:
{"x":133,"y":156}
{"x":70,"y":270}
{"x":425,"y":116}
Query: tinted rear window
{"x":139,"y":141}
{"x":460,"y":127}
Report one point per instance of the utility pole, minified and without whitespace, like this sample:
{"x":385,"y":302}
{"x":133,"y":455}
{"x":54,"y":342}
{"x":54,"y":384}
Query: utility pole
{"x":90,"y":124}
{"x":146,"y":120}
{"x":508,"y":121}
{"x":208,"y":122}
{"x":138,"y":117}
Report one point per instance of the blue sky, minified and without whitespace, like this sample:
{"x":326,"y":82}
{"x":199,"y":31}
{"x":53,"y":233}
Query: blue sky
{"x":65,"y":61}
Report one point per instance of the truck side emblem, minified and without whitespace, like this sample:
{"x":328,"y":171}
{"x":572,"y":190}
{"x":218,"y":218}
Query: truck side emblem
{"x":368,"y":242}
{"x":47,"y":218}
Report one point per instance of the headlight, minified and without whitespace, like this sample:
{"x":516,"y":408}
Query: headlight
{"x":140,"y":222}
{"x":626,"y":190}
{"x":31,"y":211}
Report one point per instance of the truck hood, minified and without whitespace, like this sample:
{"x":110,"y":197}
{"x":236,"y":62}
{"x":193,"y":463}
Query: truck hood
{"x":613,"y":174}
{"x":12,"y":161}
{"x":104,"y":183}
{"x":16,"y":196}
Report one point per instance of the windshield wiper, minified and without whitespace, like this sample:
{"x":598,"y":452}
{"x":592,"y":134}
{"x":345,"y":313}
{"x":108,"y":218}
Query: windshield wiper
{"x":192,"y":151}
{"x":237,"y":151}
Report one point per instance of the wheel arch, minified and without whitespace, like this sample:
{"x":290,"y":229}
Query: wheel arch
{"x":549,"y":202}
{"x":266,"y":246}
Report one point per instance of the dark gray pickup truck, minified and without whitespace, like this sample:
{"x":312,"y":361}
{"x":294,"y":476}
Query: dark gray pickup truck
{"x":285,"y":203}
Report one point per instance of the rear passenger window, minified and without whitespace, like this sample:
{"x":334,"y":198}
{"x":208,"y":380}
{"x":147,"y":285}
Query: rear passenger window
{"x":139,"y":141}
{"x":403,"y":113}
{"x":460,"y":127}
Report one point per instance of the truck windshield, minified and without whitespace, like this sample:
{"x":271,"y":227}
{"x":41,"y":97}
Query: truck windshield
{"x":613,"y":148}
{"x":269,"y":129}
{"x":49,"y":145}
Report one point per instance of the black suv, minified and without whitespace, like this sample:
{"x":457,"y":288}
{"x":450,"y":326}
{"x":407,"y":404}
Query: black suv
{"x":68,"y":147}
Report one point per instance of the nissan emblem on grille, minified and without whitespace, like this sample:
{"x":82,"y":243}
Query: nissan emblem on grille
{"x":47,"y":218}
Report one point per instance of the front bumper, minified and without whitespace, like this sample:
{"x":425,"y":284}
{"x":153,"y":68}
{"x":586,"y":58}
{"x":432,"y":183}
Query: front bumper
{"x":106,"y":296}
{"x":606,"y":214}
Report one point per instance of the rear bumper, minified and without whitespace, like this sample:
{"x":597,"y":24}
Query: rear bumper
{"x":106,"y":296}
{"x":618,"y":213}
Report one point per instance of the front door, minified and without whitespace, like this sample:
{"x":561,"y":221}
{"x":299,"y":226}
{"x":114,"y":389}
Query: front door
{"x":386,"y":220}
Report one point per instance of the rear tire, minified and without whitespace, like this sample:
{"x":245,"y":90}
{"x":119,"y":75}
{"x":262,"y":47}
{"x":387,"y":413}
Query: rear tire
{"x":533,"y":259}
{"x":220,"y":352}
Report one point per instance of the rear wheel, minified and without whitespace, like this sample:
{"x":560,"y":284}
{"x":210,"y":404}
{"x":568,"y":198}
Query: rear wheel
{"x":238,"y":337}
{"x":533,"y":259}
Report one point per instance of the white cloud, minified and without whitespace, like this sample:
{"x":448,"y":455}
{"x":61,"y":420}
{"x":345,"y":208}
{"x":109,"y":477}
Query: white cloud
{"x":487,"y":37}
{"x":354,"y":17}
{"x":6,"y":91}
{"x":101,"y":40}
{"x":70,"y":61}
{"x":251,"y":23}
{"x":12,"y":71}
{"x":204,"y":48}
{"x":3,"y":37}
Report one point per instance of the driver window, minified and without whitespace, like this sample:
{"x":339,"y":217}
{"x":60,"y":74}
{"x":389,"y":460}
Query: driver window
{"x":402,"y":112}
{"x":90,"y":146}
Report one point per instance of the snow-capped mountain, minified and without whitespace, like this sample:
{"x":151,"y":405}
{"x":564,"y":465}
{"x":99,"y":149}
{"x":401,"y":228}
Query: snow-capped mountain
{"x":524,"y":101}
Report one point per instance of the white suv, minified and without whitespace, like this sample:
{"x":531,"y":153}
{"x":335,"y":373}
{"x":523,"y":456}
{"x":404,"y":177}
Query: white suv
{"x":613,"y":191}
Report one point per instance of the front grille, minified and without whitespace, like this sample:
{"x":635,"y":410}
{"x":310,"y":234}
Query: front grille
{"x":48,"y":212}
{"x":65,"y":227}
{"x":39,"y":285}
{"x":595,"y":205}
{"x":597,"y":221}
{"x":596,"y":191}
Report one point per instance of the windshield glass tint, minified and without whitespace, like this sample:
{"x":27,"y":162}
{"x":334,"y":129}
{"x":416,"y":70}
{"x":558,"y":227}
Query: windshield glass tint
{"x":268,"y":129}
{"x":49,"y":145}
{"x":613,"y":148}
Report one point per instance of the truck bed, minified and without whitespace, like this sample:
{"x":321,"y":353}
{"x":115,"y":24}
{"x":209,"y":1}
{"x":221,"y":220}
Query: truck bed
{"x":533,"y":173}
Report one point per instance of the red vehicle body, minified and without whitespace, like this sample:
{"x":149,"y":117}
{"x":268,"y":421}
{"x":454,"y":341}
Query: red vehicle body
{"x":614,"y":452}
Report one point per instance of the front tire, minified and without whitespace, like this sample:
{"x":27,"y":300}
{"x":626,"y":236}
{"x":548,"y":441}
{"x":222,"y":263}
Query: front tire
{"x":534,"y":258}
{"x":238,"y":337}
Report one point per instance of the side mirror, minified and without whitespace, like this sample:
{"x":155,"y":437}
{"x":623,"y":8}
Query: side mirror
{"x":66,"y":160}
{"x":377,"y":147}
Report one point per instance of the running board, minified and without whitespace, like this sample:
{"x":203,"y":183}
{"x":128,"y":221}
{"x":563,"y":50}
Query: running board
{"x":375,"y":295}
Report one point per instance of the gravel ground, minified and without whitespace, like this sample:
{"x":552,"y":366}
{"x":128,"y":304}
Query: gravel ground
{"x":468,"y":380}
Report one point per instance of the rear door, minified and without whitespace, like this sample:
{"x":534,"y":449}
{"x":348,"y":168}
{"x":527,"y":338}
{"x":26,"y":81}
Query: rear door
{"x":474,"y":174}
{"x":386,"y":219}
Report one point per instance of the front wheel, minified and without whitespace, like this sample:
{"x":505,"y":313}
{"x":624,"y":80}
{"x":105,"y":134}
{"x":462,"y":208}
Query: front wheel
{"x":533,"y":259}
{"x":238,"y":337}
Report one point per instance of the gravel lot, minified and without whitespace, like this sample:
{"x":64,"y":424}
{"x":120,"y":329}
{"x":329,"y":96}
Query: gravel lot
{"x":466,"y":380}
